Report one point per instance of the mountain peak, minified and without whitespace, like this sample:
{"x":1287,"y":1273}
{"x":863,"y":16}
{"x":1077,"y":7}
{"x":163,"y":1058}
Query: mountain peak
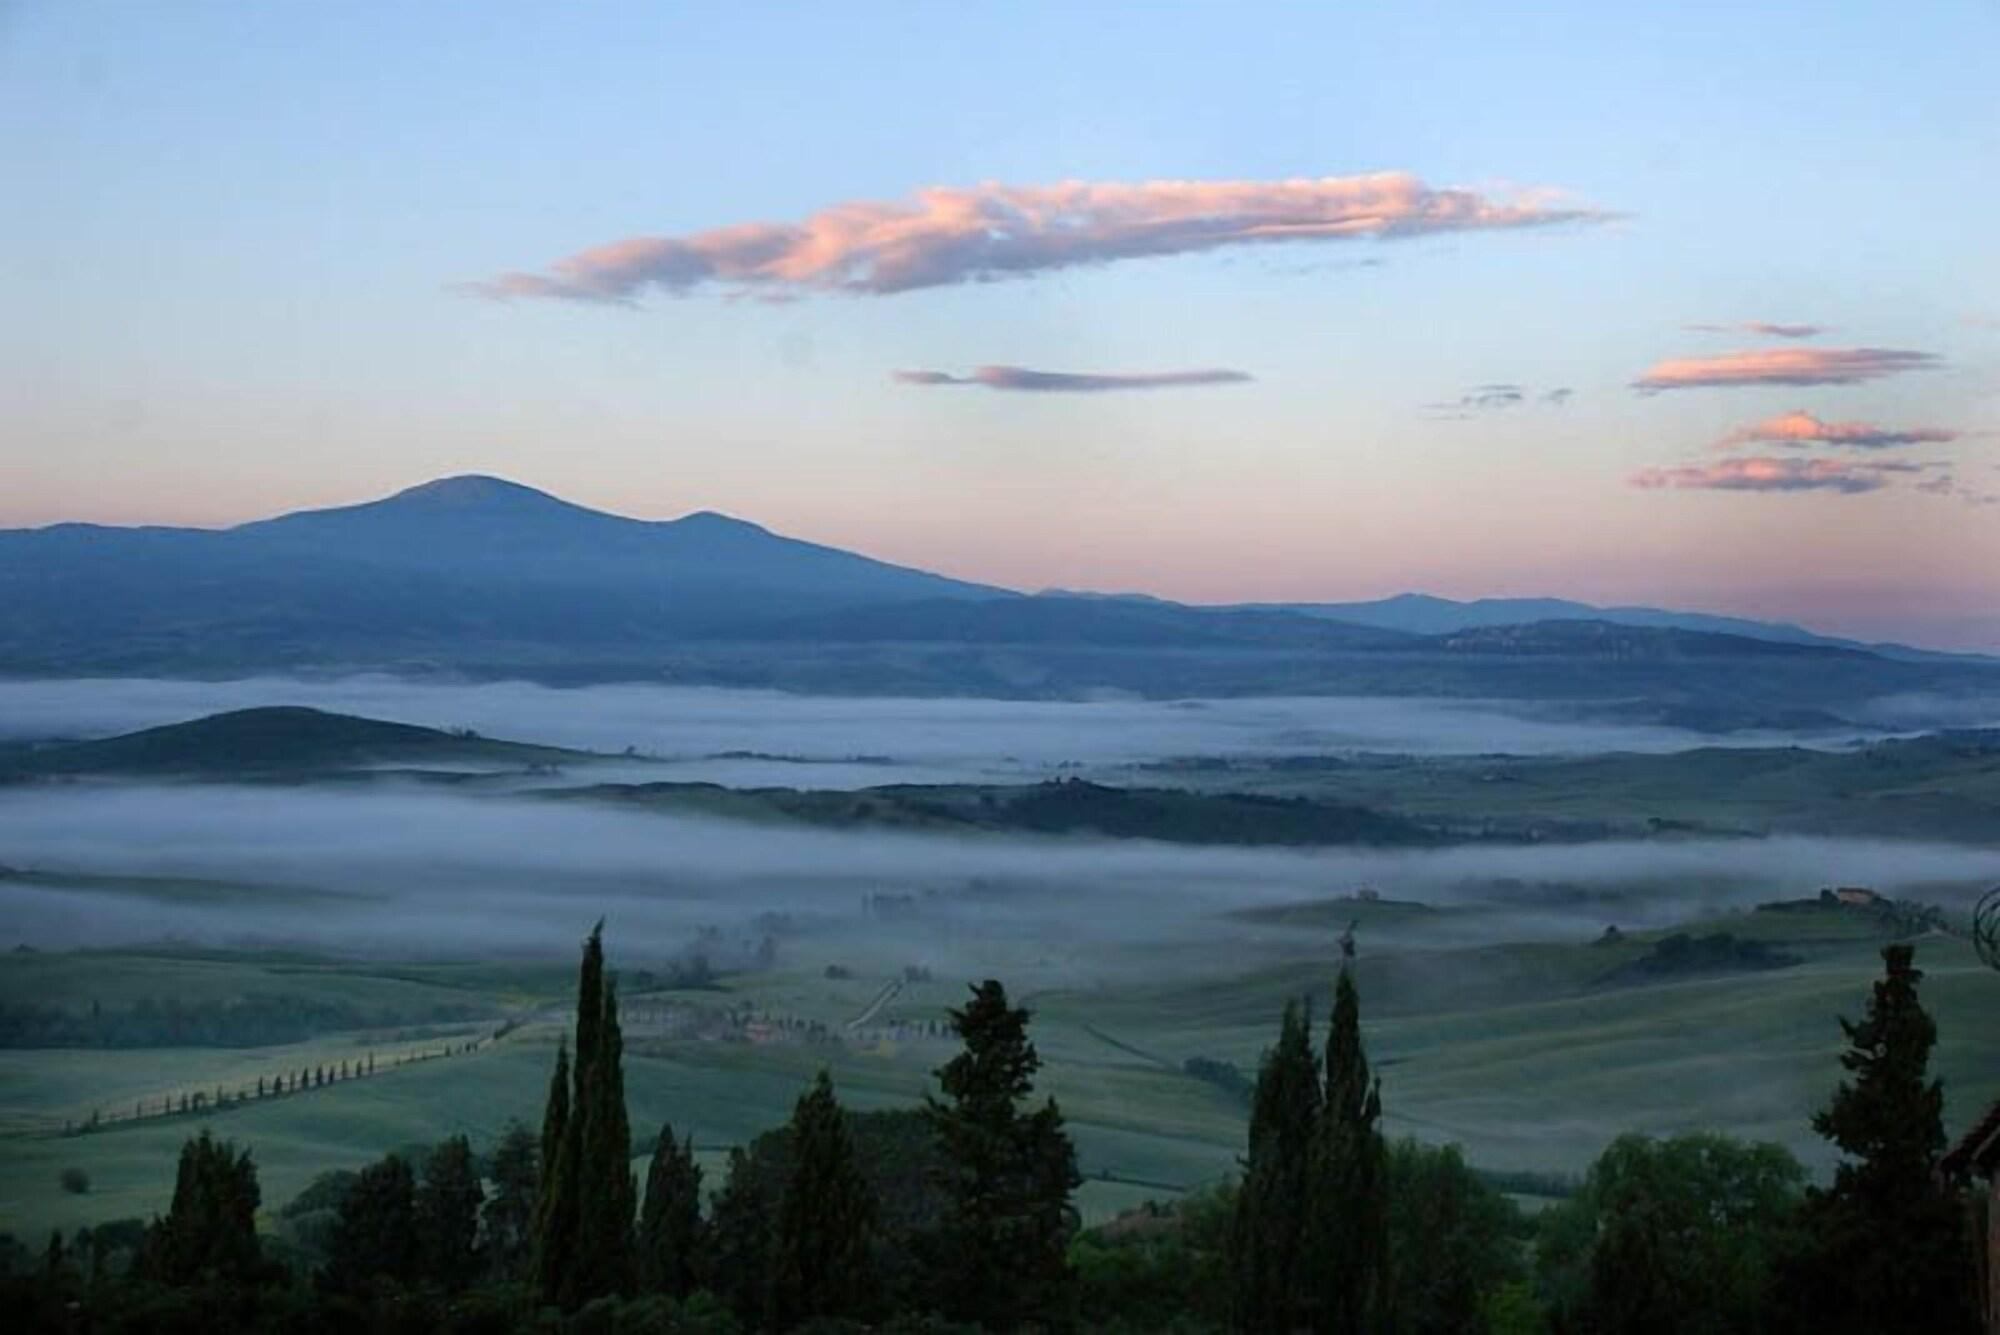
{"x":473,"y":490}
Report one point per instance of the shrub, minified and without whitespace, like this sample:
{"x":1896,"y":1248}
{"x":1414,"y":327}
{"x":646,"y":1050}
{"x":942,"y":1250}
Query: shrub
{"x":74,"y":1180}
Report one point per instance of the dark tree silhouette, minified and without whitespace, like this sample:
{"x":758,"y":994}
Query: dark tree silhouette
{"x":375,"y":1234}
{"x":448,"y":1201}
{"x":509,"y":1217}
{"x":1345,"y":1229}
{"x":820,"y":1242}
{"x":1268,"y":1270}
{"x":670,"y":1225}
{"x":1886,"y":1245}
{"x":1003,"y":1254}
{"x":210,"y":1230}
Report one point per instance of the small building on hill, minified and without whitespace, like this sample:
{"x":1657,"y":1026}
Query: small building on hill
{"x":1977,"y":1155}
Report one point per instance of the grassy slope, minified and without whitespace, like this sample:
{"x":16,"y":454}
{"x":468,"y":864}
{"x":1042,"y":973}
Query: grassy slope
{"x":1941,"y":787}
{"x":1510,"y":1050}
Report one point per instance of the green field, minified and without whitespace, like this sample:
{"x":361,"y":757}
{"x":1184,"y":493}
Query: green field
{"x":1519,"y":1051}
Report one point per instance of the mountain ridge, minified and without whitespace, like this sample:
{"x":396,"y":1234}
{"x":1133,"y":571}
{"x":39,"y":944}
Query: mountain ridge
{"x":480,"y":574}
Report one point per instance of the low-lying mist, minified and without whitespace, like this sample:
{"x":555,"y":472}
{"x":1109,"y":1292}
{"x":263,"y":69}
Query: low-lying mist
{"x":415,"y":872}
{"x":746,"y":737}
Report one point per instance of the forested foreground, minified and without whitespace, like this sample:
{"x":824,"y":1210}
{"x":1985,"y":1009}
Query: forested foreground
{"x":957,"y":1216}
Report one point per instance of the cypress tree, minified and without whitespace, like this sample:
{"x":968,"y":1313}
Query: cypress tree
{"x":584,"y":1225}
{"x":606,"y":1196}
{"x":670,"y":1228}
{"x":1887,"y":1246}
{"x":1346,"y":1239}
{"x":1003,"y":1261}
{"x":1267,"y":1235}
{"x":448,"y":1202}
{"x":820,"y":1242}
{"x":555,"y":1208}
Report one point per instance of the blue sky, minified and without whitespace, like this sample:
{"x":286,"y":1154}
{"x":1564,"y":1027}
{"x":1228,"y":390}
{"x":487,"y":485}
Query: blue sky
{"x":228,"y":275}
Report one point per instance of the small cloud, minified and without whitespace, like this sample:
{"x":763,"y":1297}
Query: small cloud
{"x":1782,"y":366}
{"x":1947,"y":484}
{"x":1020,"y":378}
{"x":1764,"y":473}
{"x":1763,"y":327}
{"x":1802,"y":428}
{"x":1493,"y":398}
{"x":947,"y":235}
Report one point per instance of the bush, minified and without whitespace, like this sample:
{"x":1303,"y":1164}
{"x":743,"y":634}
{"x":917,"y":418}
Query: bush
{"x":74,"y":1180}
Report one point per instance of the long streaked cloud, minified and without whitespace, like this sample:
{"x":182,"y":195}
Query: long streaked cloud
{"x":1073,"y":382}
{"x":1782,"y":366}
{"x":1766,"y":473}
{"x":956,"y":234}
{"x":1802,"y":428}
{"x":1765,"y":328}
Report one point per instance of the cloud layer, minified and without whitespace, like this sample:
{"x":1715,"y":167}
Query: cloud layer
{"x":1073,"y":382}
{"x":1765,"y":473}
{"x":1782,"y":366}
{"x":958,"y":234}
{"x":1802,"y":428}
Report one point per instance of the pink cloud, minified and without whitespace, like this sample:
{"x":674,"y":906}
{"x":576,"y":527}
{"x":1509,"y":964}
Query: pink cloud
{"x":1763,"y":473}
{"x":954,"y":234}
{"x":1763,"y":327}
{"x":1782,"y":366}
{"x":1802,"y":428}
{"x":1072,"y":382}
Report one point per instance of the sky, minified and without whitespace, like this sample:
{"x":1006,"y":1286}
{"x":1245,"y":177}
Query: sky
{"x":1691,"y":304}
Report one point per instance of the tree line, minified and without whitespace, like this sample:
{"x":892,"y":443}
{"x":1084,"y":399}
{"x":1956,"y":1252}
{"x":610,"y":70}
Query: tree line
{"x":958,"y":1216}
{"x":253,"y":1021}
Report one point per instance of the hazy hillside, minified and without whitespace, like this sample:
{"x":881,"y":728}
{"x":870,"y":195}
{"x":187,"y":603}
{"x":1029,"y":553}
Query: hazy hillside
{"x":271,"y":740}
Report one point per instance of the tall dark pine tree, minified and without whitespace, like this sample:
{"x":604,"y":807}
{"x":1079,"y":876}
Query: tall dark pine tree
{"x":584,"y":1223}
{"x":211,"y":1227}
{"x":1268,"y":1274}
{"x":1003,"y":1259}
{"x":448,"y":1201}
{"x":1346,"y":1230}
{"x":1886,"y":1248}
{"x":820,"y":1241}
{"x":554,"y":1241}
{"x":607,"y":1196}
{"x":670,"y":1227}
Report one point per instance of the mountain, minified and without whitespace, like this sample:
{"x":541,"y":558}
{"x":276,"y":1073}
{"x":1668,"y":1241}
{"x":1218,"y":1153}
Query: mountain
{"x":476,"y":576}
{"x":462,"y":571}
{"x":274,"y":740}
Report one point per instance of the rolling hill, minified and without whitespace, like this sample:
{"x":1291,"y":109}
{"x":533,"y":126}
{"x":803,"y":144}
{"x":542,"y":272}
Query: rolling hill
{"x":275,"y":740}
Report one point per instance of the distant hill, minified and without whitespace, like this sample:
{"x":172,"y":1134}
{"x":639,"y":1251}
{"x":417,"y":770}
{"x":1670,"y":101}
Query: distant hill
{"x":1426,"y":614}
{"x":1057,"y":807}
{"x":1605,"y":639}
{"x":1092,"y":622}
{"x":282,"y":739}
